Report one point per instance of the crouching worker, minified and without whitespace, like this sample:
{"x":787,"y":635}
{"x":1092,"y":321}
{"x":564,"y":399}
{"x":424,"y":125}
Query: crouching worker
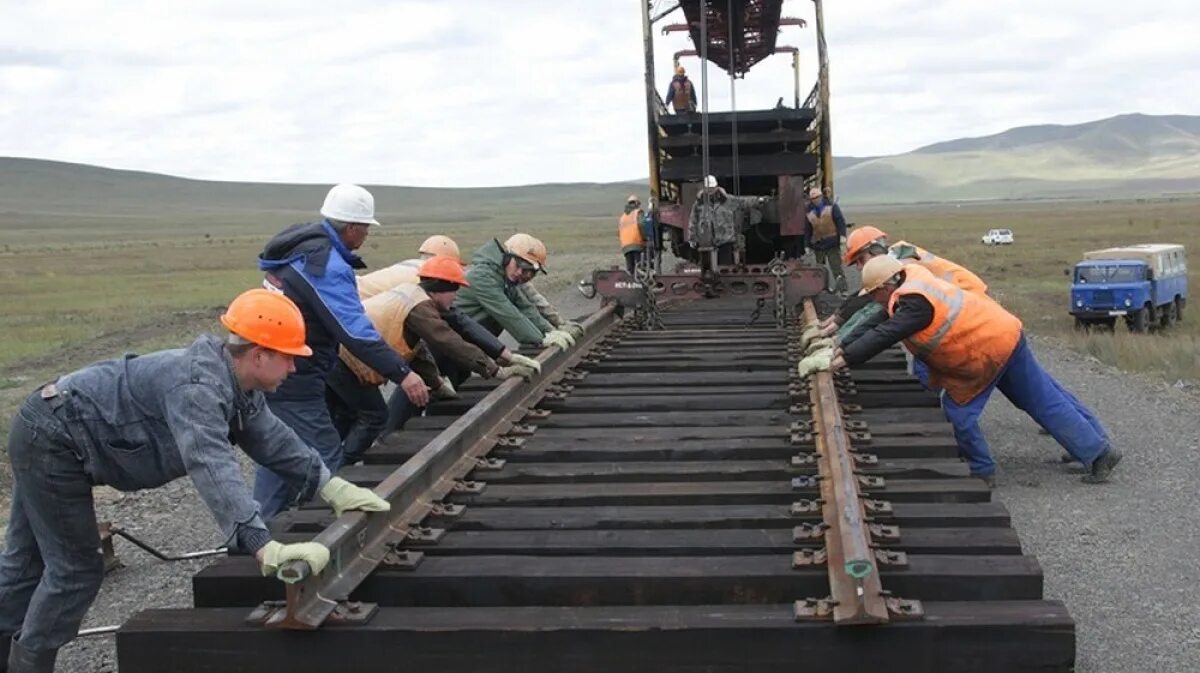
{"x":971,"y":346}
{"x":139,"y":422}
{"x":407,"y":316}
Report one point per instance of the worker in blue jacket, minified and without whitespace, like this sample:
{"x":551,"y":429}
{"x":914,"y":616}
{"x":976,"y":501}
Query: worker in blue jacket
{"x":313,"y":264}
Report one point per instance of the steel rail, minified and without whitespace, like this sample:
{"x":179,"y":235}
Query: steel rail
{"x":854,"y":584}
{"x":359,"y":542}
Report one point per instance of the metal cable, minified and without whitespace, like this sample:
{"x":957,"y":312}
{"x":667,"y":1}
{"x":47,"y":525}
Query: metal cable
{"x":737,"y":176}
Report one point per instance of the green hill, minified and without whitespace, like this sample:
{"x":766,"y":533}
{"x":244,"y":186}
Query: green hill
{"x":1128,"y":155}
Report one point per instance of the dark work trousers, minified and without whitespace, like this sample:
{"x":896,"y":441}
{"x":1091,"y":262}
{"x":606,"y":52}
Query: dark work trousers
{"x":51,"y":568}
{"x":631,"y":260}
{"x":358,"y":409}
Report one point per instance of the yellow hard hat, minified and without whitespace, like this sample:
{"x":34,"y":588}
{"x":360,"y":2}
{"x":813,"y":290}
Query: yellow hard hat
{"x":679,"y":70}
{"x":440,"y":245}
{"x":877,"y":271}
{"x":527,"y":248}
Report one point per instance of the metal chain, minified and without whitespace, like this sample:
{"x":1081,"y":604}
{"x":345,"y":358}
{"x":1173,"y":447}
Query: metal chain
{"x":780,"y":270}
{"x":646,"y":316}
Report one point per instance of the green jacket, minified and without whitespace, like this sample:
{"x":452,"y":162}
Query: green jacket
{"x":863,"y":321}
{"x":497,"y":304}
{"x":543,"y":305}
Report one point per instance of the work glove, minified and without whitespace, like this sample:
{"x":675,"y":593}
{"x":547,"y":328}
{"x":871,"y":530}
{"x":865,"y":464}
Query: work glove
{"x":573,"y":328}
{"x":514,"y":370}
{"x":276,"y":555}
{"x":820,"y":361}
{"x":525,"y":361}
{"x":817,"y":344}
{"x":812,"y":331}
{"x":557,"y":338}
{"x":344,"y":496}
{"x":445,"y":391}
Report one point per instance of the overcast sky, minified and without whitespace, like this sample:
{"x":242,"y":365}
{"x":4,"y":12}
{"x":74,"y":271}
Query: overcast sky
{"x":495,"y":92}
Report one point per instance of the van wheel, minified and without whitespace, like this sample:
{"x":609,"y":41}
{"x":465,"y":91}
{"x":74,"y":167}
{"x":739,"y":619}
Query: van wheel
{"x":1137,"y":321}
{"x":1167,"y":317}
{"x":1180,"y":302}
{"x":1082,"y":325}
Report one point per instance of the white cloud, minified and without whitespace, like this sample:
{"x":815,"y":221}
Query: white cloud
{"x":479,"y":92}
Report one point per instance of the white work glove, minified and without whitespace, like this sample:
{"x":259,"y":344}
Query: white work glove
{"x":573,"y":328}
{"x":566,"y":336}
{"x":445,"y":391}
{"x":275,"y":555}
{"x":812,"y":331}
{"x":821,"y":361}
{"x":817,"y":344}
{"x":557,"y":339}
{"x":344,"y":496}
{"x":525,"y":361}
{"x":514,"y":370}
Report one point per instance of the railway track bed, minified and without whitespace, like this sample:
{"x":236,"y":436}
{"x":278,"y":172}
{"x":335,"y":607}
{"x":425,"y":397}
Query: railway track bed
{"x":655,"y":501}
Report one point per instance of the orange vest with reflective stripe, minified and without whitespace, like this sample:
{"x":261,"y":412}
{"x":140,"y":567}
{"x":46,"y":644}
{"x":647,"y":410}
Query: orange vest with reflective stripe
{"x":969,"y":339}
{"x":946,"y":270}
{"x":630,"y":232}
{"x":387,"y":311}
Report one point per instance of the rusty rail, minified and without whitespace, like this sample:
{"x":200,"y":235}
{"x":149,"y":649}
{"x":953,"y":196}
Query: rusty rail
{"x":359,"y":542}
{"x":856,"y":592}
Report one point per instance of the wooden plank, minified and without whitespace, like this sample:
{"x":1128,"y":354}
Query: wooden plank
{"x":714,"y":493}
{"x":909,"y":515}
{"x":992,"y":637}
{"x":695,"y":542}
{"x":493,"y":581}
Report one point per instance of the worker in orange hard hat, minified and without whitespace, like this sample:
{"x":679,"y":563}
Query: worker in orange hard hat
{"x":140,"y":422}
{"x":681,"y":94}
{"x":371,"y":284}
{"x":971,"y":346}
{"x":409,"y":316}
{"x":496,"y":298}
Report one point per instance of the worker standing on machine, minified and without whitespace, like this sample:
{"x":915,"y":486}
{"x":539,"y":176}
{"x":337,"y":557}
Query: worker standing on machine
{"x":139,"y":422}
{"x":825,"y":234}
{"x":972,"y":346}
{"x":681,"y":94}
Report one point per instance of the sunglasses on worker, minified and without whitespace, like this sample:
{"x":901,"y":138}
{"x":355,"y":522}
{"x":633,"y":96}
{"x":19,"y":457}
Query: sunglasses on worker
{"x":524,"y":266}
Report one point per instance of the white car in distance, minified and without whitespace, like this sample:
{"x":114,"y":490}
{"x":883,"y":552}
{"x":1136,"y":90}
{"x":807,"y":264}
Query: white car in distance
{"x":998,"y":237}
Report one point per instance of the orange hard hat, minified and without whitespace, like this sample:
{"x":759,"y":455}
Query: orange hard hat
{"x":679,"y":70}
{"x":267,"y":319}
{"x":444,"y":267}
{"x":859,"y":239}
{"x":527,"y":248}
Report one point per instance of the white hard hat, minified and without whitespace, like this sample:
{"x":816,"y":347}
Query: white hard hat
{"x":349,"y":203}
{"x":710,"y":182}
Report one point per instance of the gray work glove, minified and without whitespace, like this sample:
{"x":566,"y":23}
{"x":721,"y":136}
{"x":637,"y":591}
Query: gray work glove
{"x":276,"y":555}
{"x":811,"y":331}
{"x":573,"y":328}
{"x":817,"y":344}
{"x":525,"y":361}
{"x":514,"y":370}
{"x":557,"y":339}
{"x":820,"y":361}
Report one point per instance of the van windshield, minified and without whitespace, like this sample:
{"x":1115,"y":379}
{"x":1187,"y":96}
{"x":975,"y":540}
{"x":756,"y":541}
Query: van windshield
{"x":1109,"y":274}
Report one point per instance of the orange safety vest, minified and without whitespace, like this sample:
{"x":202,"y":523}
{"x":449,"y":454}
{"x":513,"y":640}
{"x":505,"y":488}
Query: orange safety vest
{"x":969,"y":340}
{"x":376,"y":282}
{"x":630,"y":232}
{"x":944,"y":269}
{"x":387,"y":311}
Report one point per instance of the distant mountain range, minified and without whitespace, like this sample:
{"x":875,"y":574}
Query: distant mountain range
{"x":1127,"y":155}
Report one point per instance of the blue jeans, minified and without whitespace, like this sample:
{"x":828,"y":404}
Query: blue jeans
{"x":399,"y":410}
{"x":309,"y":418}
{"x":362,"y":411}
{"x":51,"y":568}
{"x":1032,"y":390}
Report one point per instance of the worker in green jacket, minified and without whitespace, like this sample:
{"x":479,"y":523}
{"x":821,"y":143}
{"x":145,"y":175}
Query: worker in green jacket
{"x":494,"y":299}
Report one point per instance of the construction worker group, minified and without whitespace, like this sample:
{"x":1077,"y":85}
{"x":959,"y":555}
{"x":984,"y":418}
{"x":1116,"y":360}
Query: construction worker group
{"x":295,"y":383}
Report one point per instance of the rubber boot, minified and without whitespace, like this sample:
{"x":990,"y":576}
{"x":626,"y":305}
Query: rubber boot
{"x":21,"y":660}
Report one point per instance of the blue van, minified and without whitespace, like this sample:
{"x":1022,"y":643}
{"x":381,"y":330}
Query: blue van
{"x":1144,"y":284}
